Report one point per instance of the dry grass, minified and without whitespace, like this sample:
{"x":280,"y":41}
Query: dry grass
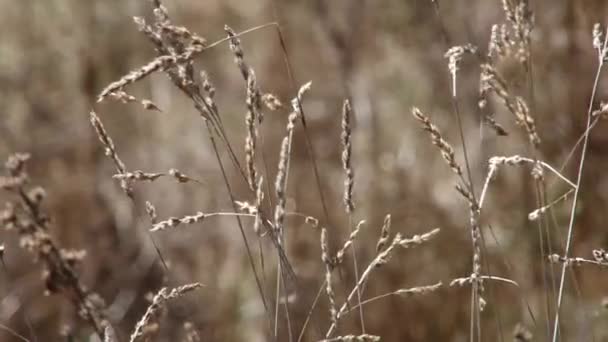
{"x":261,"y":192}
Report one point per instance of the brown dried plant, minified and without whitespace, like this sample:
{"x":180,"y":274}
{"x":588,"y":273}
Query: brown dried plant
{"x":177,"y":49}
{"x":26,"y":216}
{"x":145,"y":325}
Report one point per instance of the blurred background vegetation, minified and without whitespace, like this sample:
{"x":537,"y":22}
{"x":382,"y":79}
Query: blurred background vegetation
{"x":57,"y":55}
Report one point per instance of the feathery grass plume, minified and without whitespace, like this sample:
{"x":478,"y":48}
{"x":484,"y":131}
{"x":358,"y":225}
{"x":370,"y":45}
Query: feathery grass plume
{"x":520,"y":17}
{"x":25,"y":216}
{"x":385,"y":233}
{"x":406,"y":292}
{"x":271,"y":101}
{"x":415,"y":240}
{"x":206,"y":84}
{"x":259,"y":198}
{"x":468,"y":196}
{"x":349,"y":180}
{"x":494,"y":125}
{"x":235,"y":47}
{"x":281,"y":185}
{"x":494,"y":44}
{"x":500,"y":45}
{"x":600,"y":258}
{"x":181,"y":177}
{"x":180,"y":32}
{"x":173,"y":222}
{"x":253,"y":106}
{"x":252,"y":132}
{"x":151,"y":211}
{"x":176,"y":50}
{"x":598,"y":39}
{"x":492,"y":82}
{"x":209,"y":108}
{"x":419,"y":290}
{"x":158,"y":302}
{"x":296,"y":103}
{"x":353,"y":338}
{"x":178,"y":56}
{"x":109,"y":335}
{"x":17,"y":176}
{"x":181,"y":73}
{"x":578,"y":261}
{"x":134,"y":76}
{"x":504,"y":43}
{"x":174,"y":41}
{"x":138,"y":175}
{"x":254,"y":94}
{"x":476,"y":242}
{"x":454,"y":56}
{"x":470,"y":279}
{"x":349,"y":242}
{"x":283,"y":170}
{"x":446,"y":149}
{"x":148,"y":31}
{"x":125,"y":98}
{"x":110,"y":151}
{"x":382,"y":258}
{"x":329,"y":266}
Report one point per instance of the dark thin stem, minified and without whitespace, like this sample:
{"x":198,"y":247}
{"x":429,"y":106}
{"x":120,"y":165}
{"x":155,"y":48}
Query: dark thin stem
{"x":544,"y":222}
{"x":310,"y":311}
{"x":217,"y":126}
{"x":287,"y":314}
{"x":292,"y":82}
{"x":541,"y":243}
{"x":238,"y":219}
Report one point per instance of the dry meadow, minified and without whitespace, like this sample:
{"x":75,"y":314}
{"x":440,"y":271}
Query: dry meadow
{"x":345,"y":170}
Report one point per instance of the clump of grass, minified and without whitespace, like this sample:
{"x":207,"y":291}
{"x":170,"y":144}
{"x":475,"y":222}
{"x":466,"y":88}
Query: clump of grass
{"x":177,"y":48}
{"x":145,"y":325}
{"x":381,"y":258}
{"x":25,"y":215}
{"x":447,"y":151}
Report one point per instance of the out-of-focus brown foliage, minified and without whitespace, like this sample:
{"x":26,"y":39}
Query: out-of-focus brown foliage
{"x":57,"y":55}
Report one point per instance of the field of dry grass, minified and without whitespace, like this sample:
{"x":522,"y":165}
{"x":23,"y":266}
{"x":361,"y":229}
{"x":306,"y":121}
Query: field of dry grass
{"x":344,"y":170}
